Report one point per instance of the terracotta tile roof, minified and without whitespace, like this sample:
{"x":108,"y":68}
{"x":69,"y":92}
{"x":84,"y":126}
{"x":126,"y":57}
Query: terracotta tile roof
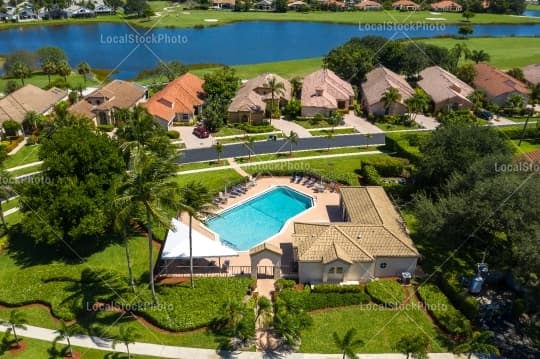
{"x":29,"y":98}
{"x":265,"y":247}
{"x":531,"y":73}
{"x":379,"y":80}
{"x":116,"y":94}
{"x":375,"y":230}
{"x":441,"y":85}
{"x":405,"y":3}
{"x":446,"y":4}
{"x":180,"y":96}
{"x":530,"y":157}
{"x":253,"y":94}
{"x":331,"y":88}
{"x":368,"y":4}
{"x":496,"y":82}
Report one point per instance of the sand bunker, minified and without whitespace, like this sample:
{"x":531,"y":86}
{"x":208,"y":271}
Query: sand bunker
{"x":186,"y":13}
{"x":435,"y":18}
{"x":211,"y":20}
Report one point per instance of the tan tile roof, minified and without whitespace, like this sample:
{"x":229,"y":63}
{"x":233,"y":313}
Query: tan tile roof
{"x":446,"y":4}
{"x":265,"y":247}
{"x":531,"y":73}
{"x":441,"y":85}
{"x":116,"y":94}
{"x":29,"y":98}
{"x":405,"y":3}
{"x":379,"y":80}
{"x":180,"y":96}
{"x":496,"y":82}
{"x":368,"y":3}
{"x":376,"y":229}
{"x":333,"y":89}
{"x":253,"y":94}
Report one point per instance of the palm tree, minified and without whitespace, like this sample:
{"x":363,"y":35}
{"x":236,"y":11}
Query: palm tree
{"x":233,"y":312}
{"x":293,"y":140}
{"x":196,"y":199}
{"x":31,"y":121}
{"x":49,"y":68}
{"x":391,"y":96}
{"x":480,"y":343}
{"x":21,"y":71}
{"x":276,"y":88}
{"x":83,"y":69}
{"x":264,"y":309}
{"x":64,"y":333}
{"x":63,"y":69}
{"x":368,"y":136}
{"x":5,"y":192}
{"x":150,"y":185}
{"x":417,"y":103}
{"x":296,"y":86}
{"x":219,"y":150}
{"x":348,"y":345}
{"x":334,"y":120}
{"x":17,"y":320}
{"x":126,"y":336}
{"x":479,"y":56}
{"x":456,"y":53}
{"x":249,"y":142}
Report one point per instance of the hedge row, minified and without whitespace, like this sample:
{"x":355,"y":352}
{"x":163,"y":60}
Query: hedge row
{"x":387,"y":166}
{"x":388,"y":293}
{"x":451,"y":319}
{"x":336,"y":288}
{"x":514,"y":132}
{"x":406,"y":145}
{"x":173,"y":135}
{"x":370,"y":176}
{"x":312,"y":301}
{"x":283,"y":283}
{"x":255,"y":128}
{"x":452,"y":289}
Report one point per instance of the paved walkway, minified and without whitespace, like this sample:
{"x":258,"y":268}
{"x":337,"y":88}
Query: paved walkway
{"x":166,"y":351}
{"x":18,"y":147}
{"x":427,"y":122}
{"x":360,"y":124}
{"x":235,"y":166}
{"x":288,"y":126}
{"x":32,"y":164}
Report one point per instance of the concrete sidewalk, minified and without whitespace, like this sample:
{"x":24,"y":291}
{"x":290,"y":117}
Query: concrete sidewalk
{"x":166,"y":351}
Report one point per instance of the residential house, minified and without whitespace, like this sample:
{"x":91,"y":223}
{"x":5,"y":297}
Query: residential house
{"x":100,"y":105}
{"x":378,"y":82}
{"x":250,"y":103}
{"x":77,"y":11}
{"x":368,"y":5}
{"x":265,"y":5}
{"x":531,"y":74}
{"x":103,"y":9}
{"x":297,"y":5}
{"x":405,"y":5}
{"x":223,"y":4}
{"x":370,"y":242}
{"x":324,"y":92}
{"x":181,"y":100}
{"x":497,"y":85}
{"x":29,"y":98}
{"x":446,"y":6}
{"x":446,"y":90}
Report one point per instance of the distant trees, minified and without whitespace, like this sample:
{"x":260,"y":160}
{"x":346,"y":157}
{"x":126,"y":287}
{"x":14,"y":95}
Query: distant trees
{"x":171,"y":69}
{"x":467,"y":14}
{"x":11,"y":127}
{"x":27,"y":58}
{"x":292,"y":138}
{"x":350,"y":61}
{"x":220,"y":87}
{"x":51,"y":54}
{"x":136,"y":7}
{"x":516,"y":73}
{"x":465,"y":30}
{"x":281,"y":5}
{"x":21,"y":71}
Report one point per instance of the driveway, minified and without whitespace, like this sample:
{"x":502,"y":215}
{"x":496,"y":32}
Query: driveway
{"x":191,"y":141}
{"x":360,"y":124}
{"x":427,"y":122}
{"x":288,"y":126}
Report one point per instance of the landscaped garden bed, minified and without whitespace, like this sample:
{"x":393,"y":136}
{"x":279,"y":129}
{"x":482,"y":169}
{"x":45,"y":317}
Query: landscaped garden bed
{"x":386,"y":292}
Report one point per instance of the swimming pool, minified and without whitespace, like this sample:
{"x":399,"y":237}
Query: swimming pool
{"x":257,"y":219}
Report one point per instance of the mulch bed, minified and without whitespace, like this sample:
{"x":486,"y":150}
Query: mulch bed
{"x":76,"y":355}
{"x":14,"y":350}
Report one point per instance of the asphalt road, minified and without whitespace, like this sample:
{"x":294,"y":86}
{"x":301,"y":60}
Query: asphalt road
{"x":282,"y":145}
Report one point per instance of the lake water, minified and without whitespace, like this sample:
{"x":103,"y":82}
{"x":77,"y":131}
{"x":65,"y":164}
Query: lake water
{"x":535,"y":13}
{"x":129,"y":50}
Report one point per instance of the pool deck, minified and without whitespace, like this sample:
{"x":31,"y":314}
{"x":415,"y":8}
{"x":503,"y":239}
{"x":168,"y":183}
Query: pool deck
{"x":325,"y":209}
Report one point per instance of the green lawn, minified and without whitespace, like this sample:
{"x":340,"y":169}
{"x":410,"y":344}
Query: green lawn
{"x":506,"y":52}
{"x":392,"y":127}
{"x":337,"y":131}
{"x":10,"y":204}
{"x":526,"y":146}
{"x":214,"y":180}
{"x":300,"y":154}
{"x":27,"y":154}
{"x":379,"y":328}
{"x":309,"y":124}
{"x":26,"y":170}
{"x":41,"y":80}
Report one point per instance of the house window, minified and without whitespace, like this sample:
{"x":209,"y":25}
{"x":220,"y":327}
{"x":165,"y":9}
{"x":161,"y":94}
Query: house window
{"x":185,"y":117}
{"x":331,"y":270}
{"x":341,"y":104}
{"x":383,"y":265}
{"x":339,"y":270}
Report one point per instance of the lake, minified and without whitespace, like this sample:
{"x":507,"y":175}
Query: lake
{"x":131,"y":50}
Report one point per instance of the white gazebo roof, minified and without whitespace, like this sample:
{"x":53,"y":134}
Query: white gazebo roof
{"x":177,"y":244}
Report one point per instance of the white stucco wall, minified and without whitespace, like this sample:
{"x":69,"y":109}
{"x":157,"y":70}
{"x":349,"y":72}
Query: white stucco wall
{"x":360,"y":272}
{"x":310,"y":272}
{"x":395,"y":266}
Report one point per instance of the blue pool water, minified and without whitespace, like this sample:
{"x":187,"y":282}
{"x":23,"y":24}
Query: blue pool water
{"x":250,"y":223}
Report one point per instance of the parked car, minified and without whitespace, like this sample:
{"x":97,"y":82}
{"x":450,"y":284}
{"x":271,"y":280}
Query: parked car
{"x":201,"y":132}
{"x":484,"y":114}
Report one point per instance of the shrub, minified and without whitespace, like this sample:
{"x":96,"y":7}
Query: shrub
{"x":336,"y":288}
{"x":105,"y":128}
{"x":407,"y":145}
{"x":452,"y":289}
{"x":283,"y":283}
{"x":314,"y":301}
{"x":439,"y":306}
{"x":387,"y":166}
{"x":255,"y":128}
{"x":173,"y":135}
{"x":388,"y":293}
{"x":370,"y":176}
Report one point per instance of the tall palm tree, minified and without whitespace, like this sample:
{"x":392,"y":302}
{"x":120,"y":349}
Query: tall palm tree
{"x":479,"y":56}
{"x":150,"y":185}
{"x":348,"y":344}
{"x":83,"y":69}
{"x":21,"y":71}
{"x":64,"y":333}
{"x":63,"y":69}
{"x":17,"y":320}
{"x":126,"y":336}
{"x":219,"y":150}
{"x":296,"y":86}
{"x":49,"y":68}
{"x":391,"y":96}
{"x":5,"y":192}
{"x":196,"y":200}
{"x":480,"y":343}
{"x":276,"y":88}
{"x":249,"y":142}
{"x":293,"y":141}
{"x":417,"y":103}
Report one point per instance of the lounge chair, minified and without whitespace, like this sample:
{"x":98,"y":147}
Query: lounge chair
{"x":312,"y":181}
{"x":299,"y":179}
{"x":293,"y":178}
{"x":307,"y":180}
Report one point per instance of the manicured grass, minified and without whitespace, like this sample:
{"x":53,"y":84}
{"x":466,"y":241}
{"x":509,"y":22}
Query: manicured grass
{"x":41,"y":80}
{"x":392,"y":127}
{"x":214,"y":180}
{"x":27,"y":154}
{"x":505,"y":52}
{"x":240,"y":139}
{"x":526,"y":146}
{"x":300,"y":154}
{"x":533,"y":7}
{"x":228,"y":131}
{"x":39,"y":316}
{"x":10,"y":204}
{"x":26,"y":170}
{"x":200,"y":165}
{"x":379,"y":328}
{"x":40,"y":349}
{"x":92,"y":20}
{"x":337,"y":131}
{"x":312,"y":124}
